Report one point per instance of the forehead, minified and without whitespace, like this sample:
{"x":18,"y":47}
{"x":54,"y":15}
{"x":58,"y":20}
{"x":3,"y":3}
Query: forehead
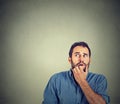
{"x":81,"y":49}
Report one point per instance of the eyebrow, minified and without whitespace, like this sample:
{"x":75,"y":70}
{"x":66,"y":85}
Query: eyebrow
{"x":76,"y":52}
{"x":79,"y":53}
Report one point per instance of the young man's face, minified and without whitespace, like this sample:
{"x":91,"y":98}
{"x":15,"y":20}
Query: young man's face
{"x":80,"y":57}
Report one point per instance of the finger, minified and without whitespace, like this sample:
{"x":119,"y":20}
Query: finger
{"x":78,"y":69}
{"x":74,"y":70}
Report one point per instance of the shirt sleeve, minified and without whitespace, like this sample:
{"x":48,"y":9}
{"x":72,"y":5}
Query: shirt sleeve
{"x":50,"y":94}
{"x":102,"y":88}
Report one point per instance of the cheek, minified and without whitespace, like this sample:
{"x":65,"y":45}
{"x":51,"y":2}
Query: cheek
{"x":87,"y":61}
{"x":74,"y":60}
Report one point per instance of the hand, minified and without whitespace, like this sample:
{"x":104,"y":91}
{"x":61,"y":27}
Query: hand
{"x":80,"y":74}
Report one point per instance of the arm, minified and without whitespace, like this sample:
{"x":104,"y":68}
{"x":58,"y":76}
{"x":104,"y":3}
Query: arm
{"x":50,"y":96}
{"x":91,"y":96}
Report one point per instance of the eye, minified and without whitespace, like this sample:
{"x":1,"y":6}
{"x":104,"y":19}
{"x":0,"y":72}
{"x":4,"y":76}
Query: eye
{"x":85,"y":55}
{"x":77,"y":55}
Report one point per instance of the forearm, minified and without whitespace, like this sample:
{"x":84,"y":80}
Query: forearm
{"x":92,"y":97}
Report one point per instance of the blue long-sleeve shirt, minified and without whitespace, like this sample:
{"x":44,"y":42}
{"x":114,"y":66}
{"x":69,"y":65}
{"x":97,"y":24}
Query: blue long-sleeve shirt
{"x":63,"y":89}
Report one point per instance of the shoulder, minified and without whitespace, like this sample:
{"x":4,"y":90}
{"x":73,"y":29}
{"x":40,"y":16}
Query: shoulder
{"x":59,"y":75}
{"x":96,"y":77}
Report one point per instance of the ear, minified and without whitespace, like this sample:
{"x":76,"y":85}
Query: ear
{"x":69,"y":59}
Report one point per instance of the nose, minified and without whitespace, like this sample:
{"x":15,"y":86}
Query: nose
{"x":81,"y":58}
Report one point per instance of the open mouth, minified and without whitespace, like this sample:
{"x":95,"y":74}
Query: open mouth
{"x":78,"y":64}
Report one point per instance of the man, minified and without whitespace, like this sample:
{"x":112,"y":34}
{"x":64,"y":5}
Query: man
{"x":77,"y":85}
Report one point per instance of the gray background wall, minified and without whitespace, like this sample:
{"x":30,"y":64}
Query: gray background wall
{"x":35,"y":37}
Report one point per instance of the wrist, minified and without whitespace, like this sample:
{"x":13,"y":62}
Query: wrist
{"x":82,"y":82}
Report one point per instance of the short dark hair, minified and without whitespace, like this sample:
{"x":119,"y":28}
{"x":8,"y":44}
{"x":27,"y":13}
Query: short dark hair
{"x":83,"y":44}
